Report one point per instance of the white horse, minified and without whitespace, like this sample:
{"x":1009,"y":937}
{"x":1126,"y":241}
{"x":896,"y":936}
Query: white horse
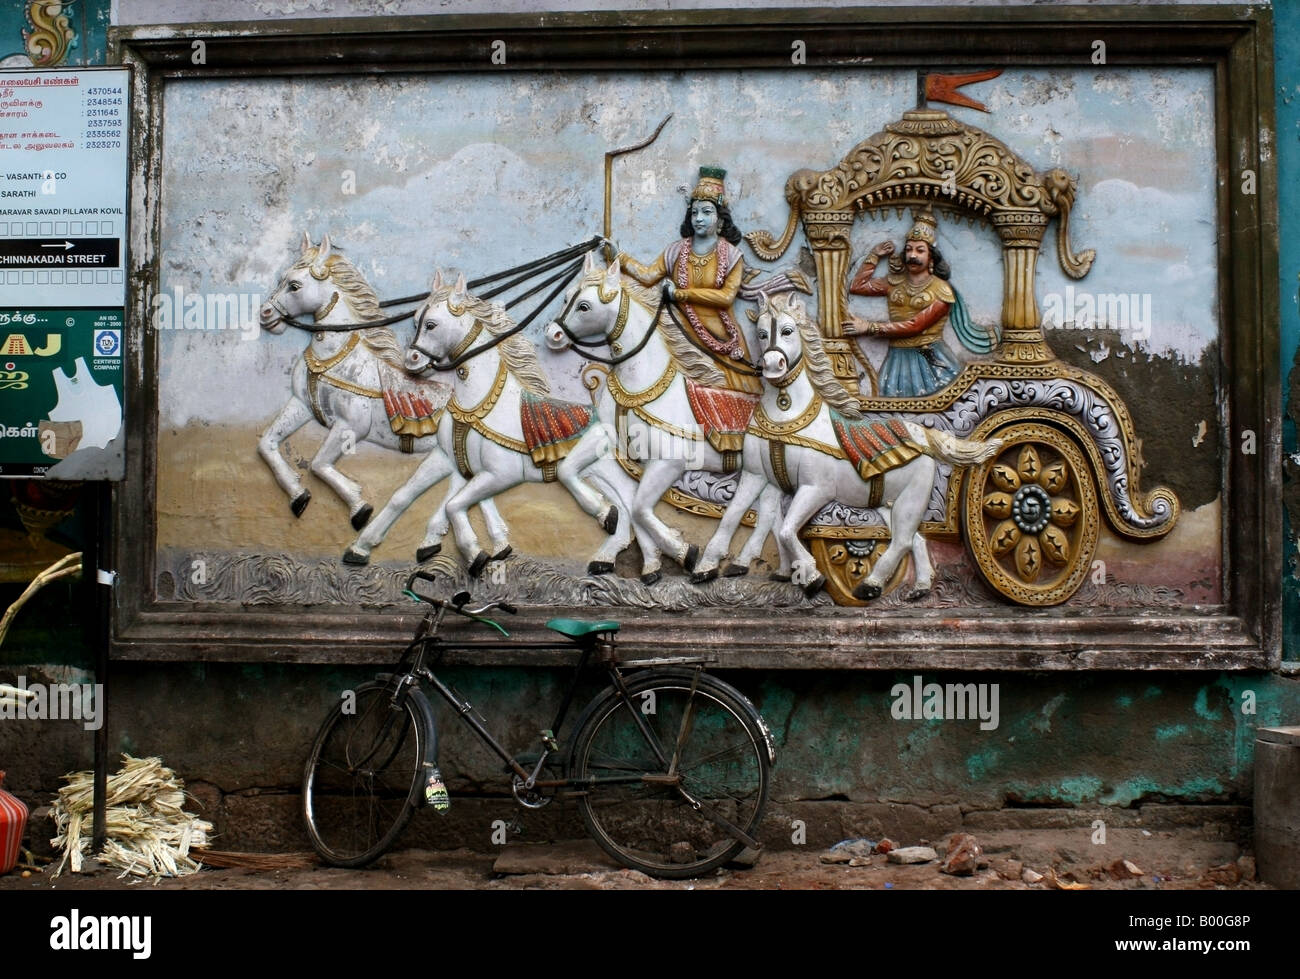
{"x":499,"y":405}
{"x":339,"y":381}
{"x":810,"y":438}
{"x":656,"y":422}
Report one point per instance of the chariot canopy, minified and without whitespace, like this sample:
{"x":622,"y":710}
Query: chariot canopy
{"x":929,"y":158}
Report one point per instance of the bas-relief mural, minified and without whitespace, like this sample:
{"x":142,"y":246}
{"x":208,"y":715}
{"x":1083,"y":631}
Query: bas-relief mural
{"x":689,"y":410}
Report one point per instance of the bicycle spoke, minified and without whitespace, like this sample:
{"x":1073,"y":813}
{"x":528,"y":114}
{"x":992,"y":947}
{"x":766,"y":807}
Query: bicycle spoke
{"x":653,"y":825}
{"x":361,"y":777}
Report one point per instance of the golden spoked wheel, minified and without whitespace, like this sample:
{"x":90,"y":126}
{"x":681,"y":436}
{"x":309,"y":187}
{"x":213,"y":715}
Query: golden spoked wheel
{"x":1031,"y":516}
{"x":845,"y":563}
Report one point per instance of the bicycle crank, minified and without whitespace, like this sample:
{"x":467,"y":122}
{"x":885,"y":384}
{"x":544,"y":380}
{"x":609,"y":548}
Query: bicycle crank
{"x":528,"y":798}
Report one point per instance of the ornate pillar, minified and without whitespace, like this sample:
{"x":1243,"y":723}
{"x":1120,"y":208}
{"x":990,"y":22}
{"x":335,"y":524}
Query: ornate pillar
{"x":1021,"y":232}
{"x":828,"y":236}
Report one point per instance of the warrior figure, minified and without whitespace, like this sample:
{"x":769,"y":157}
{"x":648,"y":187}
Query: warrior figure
{"x":921,"y":303}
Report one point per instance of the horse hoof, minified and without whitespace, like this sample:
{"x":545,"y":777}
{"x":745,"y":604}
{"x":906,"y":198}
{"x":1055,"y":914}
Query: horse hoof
{"x":778,"y":576}
{"x":651,"y":578}
{"x":692,"y":556}
{"x":504,"y":553}
{"x":479,"y":564}
{"x":700,"y":577}
{"x":865,"y":592}
{"x":299,"y":502}
{"x":362,"y":516}
{"x":353,"y":556}
{"x":734,"y":570}
{"x":423,"y":554}
{"x":814,"y":586}
{"x":610,"y":523}
{"x":916,"y":594}
{"x":600,"y":567}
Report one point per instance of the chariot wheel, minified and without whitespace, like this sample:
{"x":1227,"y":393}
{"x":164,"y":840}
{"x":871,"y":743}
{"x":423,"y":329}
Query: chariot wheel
{"x":846,"y":563}
{"x":1031,"y":515}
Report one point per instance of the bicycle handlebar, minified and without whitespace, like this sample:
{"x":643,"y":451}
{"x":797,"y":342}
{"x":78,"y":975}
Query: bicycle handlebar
{"x":458,"y":601}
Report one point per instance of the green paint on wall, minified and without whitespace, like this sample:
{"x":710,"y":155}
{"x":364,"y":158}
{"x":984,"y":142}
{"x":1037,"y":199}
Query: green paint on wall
{"x":1202,"y":705}
{"x":1170,"y":731}
{"x":1128,"y":792}
{"x":1124,"y":701}
{"x":1080,"y":788}
{"x":980,"y":764}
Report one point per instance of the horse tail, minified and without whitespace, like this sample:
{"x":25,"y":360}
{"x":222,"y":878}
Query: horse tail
{"x":958,"y":451}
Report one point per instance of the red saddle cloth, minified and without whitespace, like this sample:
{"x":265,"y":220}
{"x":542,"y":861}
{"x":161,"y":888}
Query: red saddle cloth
{"x":551,"y":427}
{"x":415,"y":409}
{"x":874,"y":447}
{"x":722,"y":413}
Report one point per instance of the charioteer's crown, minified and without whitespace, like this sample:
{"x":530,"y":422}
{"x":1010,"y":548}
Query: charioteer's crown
{"x":924,"y":226}
{"x":710,"y":186}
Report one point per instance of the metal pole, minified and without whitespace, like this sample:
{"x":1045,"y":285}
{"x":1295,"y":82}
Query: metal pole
{"x":99,"y":551}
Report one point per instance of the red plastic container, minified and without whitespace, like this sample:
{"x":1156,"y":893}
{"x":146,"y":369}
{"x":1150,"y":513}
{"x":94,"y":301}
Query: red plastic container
{"x":13,"y":823}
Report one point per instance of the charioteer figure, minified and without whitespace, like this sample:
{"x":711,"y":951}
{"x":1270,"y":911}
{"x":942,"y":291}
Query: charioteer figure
{"x":705,"y":271}
{"x":921,"y":303}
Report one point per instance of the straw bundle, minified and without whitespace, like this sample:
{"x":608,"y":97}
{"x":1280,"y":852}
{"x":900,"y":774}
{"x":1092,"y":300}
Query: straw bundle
{"x":148,"y":832}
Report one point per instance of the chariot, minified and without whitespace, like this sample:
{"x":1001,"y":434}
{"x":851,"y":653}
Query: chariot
{"x":1031,"y":515}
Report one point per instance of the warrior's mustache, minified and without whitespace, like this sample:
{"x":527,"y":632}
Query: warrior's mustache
{"x":914,"y":261}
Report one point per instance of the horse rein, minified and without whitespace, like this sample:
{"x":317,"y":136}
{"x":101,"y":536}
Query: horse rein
{"x":522,"y":273}
{"x":564,"y":276}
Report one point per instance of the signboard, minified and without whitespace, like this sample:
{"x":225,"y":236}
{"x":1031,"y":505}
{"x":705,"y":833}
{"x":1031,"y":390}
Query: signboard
{"x":63,"y":162}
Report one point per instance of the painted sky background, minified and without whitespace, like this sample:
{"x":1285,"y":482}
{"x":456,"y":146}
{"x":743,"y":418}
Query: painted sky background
{"x":480,"y":172}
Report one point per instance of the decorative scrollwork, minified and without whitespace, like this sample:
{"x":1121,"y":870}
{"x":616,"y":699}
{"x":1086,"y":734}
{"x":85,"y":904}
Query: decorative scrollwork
{"x":1061,"y":187}
{"x":51,"y":36}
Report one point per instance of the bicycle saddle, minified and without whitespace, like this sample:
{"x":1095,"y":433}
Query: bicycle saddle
{"x":578,"y":628}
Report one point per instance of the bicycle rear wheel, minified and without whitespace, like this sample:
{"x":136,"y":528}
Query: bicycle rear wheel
{"x":363,"y":776}
{"x":633,"y":807}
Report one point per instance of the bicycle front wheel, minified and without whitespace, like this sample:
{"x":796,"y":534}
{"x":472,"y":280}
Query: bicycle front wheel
{"x":657,"y":798}
{"x":363,"y":776}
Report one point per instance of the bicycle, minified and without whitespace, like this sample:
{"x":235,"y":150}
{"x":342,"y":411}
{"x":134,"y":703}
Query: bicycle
{"x":670,"y":766}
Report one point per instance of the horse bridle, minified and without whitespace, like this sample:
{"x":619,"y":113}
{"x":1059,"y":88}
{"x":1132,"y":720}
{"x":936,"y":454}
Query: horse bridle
{"x":620,"y":323}
{"x":460,"y":353}
{"x":792,"y":371}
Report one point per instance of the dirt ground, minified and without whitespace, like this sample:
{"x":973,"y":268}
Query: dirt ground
{"x":1167,"y":861}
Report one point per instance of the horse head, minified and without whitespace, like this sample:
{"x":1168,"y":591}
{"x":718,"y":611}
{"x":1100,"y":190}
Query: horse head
{"x":442,"y":323}
{"x":780,"y":336}
{"x":306,"y":289}
{"x":590,"y":307}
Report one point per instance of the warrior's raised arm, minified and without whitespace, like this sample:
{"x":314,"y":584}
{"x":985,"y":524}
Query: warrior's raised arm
{"x":863,"y":284}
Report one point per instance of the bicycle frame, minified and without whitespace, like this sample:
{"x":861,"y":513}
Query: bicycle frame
{"x":428,"y":639}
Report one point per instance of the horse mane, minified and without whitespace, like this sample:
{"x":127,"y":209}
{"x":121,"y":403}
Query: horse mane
{"x":818,"y":363}
{"x":518,"y":354}
{"x":380,"y":340}
{"x":694,"y":363}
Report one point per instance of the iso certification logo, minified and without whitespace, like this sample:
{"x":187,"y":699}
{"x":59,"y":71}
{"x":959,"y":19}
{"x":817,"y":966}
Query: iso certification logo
{"x":108,"y":343}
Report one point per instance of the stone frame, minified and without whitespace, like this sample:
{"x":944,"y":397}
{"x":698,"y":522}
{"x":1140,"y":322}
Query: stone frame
{"x":1244,"y":633}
